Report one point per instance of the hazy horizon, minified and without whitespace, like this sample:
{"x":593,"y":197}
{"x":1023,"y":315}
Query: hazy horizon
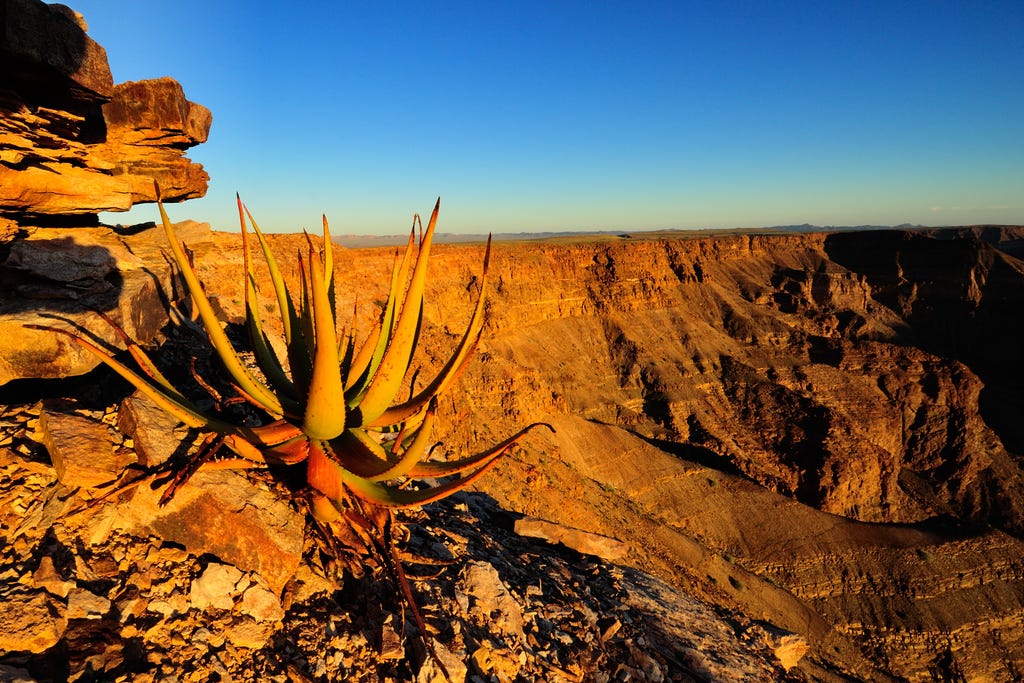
{"x":581,"y":117}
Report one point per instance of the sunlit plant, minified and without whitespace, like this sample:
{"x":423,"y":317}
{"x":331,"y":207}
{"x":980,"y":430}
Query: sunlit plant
{"x":331,"y":404}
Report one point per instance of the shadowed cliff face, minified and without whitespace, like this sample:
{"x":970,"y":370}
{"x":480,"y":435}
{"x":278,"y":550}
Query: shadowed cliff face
{"x":817,"y":429}
{"x":822,"y":367}
{"x":960,"y":299}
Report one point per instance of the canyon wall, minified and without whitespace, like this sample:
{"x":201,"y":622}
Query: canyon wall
{"x":836,"y":415}
{"x":817,"y":429}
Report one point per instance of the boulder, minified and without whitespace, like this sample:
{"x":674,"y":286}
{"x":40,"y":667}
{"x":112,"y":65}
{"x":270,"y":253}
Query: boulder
{"x":605,"y":547}
{"x":30,"y":621}
{"x":219,"y":512}
{"x":39,"y":39}
{"x":156,"y":434}
{"x":81,"y":450}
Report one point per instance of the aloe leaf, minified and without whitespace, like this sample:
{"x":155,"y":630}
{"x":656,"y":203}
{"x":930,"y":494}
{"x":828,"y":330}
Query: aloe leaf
{"x":232,"y":363}
{"x":301,"y":347}
{"x":144,"y":362}
{"x":361,"y":361}
{"x":356,"y":452}
{"x":330,"y":479}
{"x":388,"y":320}
{"x":443,"y":469}
{"x":389,"y":496}
{"x":324,"y":418}
{"x":272,"y":434}
{"x":455,"y":366}
{"x":323,"y":474}
{"x":284,"y":301}
{"x":173,"y":403}
{"x":328,"y":256}
{"x":266,"y":358}
{"x":346,"y":351}
{"x":289,"y":452}
{"x":415,"y":450}
{"x":323,"y":510}
{"x":388,"y":377}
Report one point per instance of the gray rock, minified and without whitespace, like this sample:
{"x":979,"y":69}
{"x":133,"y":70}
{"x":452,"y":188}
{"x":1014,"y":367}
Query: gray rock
{"x":489,"y":597}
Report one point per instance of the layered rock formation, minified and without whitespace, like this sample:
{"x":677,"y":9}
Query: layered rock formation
{"x":826,"y":414}
{"x":72,"y":142}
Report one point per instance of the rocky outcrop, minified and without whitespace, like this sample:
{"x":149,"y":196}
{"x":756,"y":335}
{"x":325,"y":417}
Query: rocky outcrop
{"x":130,"y":604}
{"x":67,"y":277}
{"x":72,"y":142}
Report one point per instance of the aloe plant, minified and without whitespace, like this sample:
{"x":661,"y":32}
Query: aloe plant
{"x":329,"y":404}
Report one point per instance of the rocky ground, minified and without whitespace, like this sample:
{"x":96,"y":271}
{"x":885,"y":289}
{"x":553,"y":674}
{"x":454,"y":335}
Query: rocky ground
{"x":95,"y":593}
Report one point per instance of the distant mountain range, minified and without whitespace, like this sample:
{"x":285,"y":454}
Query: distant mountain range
{"x":364,"y":241}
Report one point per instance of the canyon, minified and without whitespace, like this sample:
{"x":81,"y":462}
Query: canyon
{"x":825,"y":420}
{"x":774,"y":455}
{"x":816,"y":430}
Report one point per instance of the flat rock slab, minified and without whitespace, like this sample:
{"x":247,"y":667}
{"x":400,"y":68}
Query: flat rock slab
{"x":222,"y":513}
{"x":58,"y":277}
{"x":605,"y":547}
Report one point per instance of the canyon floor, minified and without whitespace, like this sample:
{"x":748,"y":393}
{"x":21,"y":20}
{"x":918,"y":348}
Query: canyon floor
{"x":799,"y":456}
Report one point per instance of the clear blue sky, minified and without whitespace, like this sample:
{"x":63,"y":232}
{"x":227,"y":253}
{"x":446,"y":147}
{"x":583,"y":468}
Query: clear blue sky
{"x":590,"y":115}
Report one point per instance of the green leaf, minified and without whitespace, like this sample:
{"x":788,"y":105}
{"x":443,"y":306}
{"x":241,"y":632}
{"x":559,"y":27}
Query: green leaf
{"x":169,"y":400}
{"x":452,"y":369}
{"x":284,"y":301}
{"x":443,"y":469}
{"x":389,"y":318}
{"x":232,"y":363}
{"x":266,"y":358}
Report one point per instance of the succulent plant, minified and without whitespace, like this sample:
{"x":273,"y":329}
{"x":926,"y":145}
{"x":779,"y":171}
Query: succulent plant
{"x":330,"y":404}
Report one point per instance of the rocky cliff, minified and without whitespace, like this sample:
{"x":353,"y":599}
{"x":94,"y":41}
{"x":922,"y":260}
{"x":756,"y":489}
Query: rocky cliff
{"x":71,"y":141}
{"x":825,"y":417}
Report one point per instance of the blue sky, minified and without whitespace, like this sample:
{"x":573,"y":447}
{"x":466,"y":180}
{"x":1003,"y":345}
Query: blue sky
{"x":530,"y":116}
